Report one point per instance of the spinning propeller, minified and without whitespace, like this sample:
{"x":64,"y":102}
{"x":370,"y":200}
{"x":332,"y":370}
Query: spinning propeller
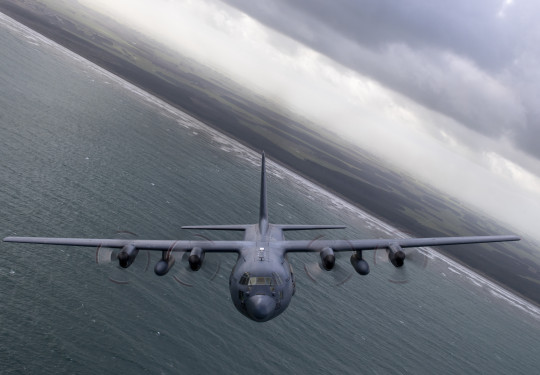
{"x":126,"y":262}
{"x":114,"y":258}
{"x":400,"y":262}
{"x":194,"y":267}
{"x":329,"y":267}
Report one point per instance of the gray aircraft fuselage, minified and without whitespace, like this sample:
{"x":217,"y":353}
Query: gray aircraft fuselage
{"x":262,"y":282}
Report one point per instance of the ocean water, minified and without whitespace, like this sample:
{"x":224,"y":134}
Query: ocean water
{"x":83,"y":153}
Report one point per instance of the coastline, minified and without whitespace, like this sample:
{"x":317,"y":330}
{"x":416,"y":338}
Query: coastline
{"x":307,"y":169}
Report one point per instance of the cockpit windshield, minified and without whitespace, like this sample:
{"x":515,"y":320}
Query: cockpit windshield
{"x":247,"y":279}
{"x":260,"y":281}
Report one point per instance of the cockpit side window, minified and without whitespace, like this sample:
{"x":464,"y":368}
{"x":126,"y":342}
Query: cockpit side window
{"x":277,"y":278}
{"x":244,"y":279}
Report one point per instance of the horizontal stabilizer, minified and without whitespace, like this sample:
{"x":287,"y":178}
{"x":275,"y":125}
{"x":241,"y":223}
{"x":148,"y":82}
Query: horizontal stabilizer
{"x":307,"y":227}
{"x":218,"y":227}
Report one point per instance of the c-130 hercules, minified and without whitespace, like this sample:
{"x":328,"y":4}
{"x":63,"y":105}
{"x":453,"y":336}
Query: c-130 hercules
{"x":261,"y":282}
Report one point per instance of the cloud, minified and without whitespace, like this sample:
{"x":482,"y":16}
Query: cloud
{"x":473,"y":61}
{"x":425,"y":88}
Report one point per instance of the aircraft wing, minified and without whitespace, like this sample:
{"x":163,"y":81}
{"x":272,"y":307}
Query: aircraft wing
{"x":155,"y":245}
{"x":352,"y":245}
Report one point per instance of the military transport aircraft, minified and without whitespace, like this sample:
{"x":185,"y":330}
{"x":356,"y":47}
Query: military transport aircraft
{"x":262,"y":281}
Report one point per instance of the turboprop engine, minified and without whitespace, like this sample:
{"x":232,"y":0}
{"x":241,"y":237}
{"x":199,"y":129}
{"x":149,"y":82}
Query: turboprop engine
{"x":196,"y":258}
{"x":127,"y":255}
{"x":328,"y":259}
{"x":396,"y":255}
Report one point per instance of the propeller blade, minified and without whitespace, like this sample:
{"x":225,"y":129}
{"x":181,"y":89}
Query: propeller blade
{"x":184,"y":275}
{"x":337,"y":276}
{"x":415,"y":259}
{"x":108,"y":258}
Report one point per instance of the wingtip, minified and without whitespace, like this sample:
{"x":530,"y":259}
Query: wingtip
{"x":513,"y":237}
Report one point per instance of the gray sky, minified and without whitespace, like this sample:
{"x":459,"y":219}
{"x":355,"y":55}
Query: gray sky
{"x":447,"y":91}
{"x":474,"y":61}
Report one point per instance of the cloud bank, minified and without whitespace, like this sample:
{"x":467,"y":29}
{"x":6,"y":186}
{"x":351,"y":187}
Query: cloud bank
{"x":447,"y":92}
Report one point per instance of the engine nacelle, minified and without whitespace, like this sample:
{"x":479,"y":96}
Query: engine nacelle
{"x":127,"y":255}
{"x":396,"y":256}
{"x":359,"y":264}
{"x":164,"y":265}
{"x":328,"y":259}
{"x":196,"y":258}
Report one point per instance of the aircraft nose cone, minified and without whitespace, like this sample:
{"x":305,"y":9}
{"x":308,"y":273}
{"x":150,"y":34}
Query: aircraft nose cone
{"x":260,"y":307}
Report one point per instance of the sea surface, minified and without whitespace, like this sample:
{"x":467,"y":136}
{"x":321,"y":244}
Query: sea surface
{"x":85,"y":154}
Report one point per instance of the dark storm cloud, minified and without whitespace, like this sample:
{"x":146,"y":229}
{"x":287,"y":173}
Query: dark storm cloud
{"x":376,"y":23}
{"x":474,"y":61}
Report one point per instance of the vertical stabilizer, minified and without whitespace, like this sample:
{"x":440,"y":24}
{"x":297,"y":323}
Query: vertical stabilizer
{"x":263,"y":208}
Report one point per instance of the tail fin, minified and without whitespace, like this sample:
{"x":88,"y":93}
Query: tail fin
{"x":263,"y":208}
